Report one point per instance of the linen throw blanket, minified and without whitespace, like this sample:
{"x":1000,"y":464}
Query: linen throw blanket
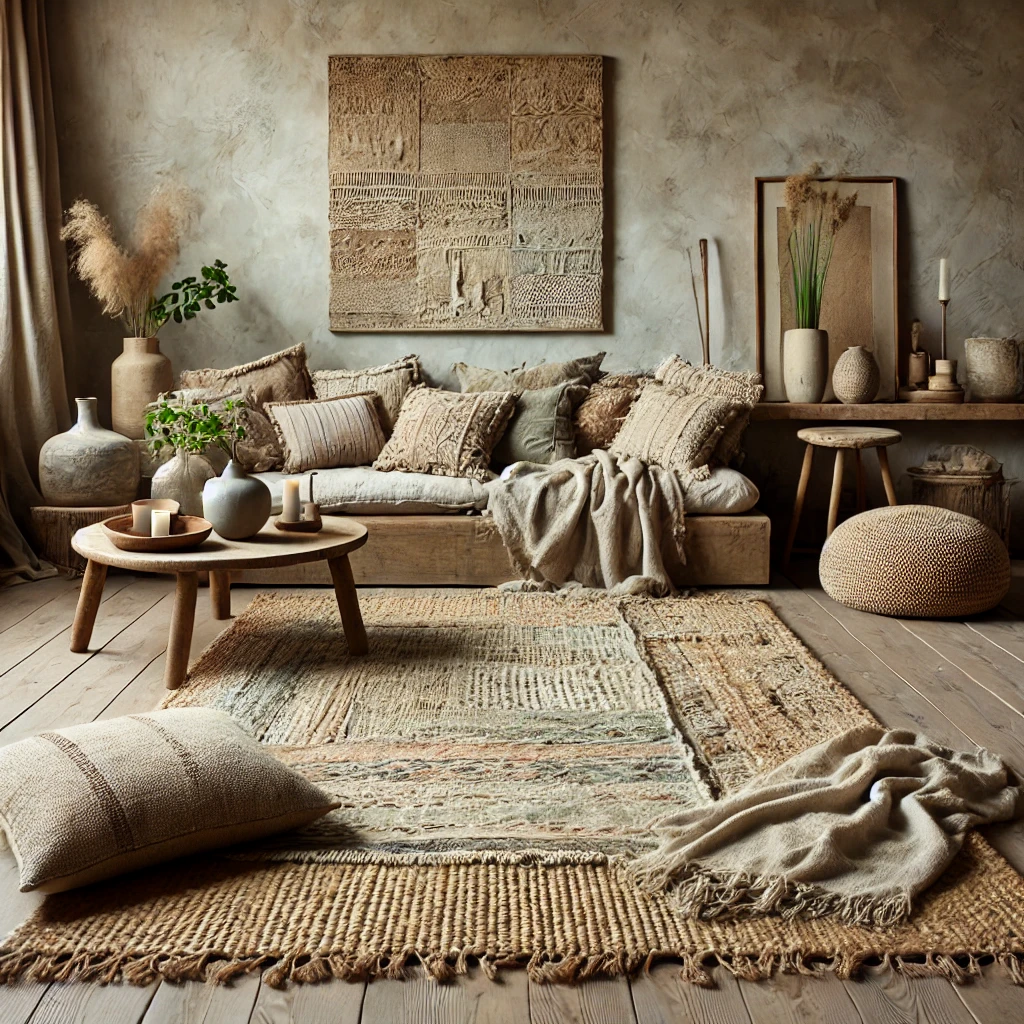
{"x":855,"y":826}
{"x":596,"y":521}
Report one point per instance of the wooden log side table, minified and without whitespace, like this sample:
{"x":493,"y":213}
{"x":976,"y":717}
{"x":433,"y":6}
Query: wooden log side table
{"x":842,"y":440}
{"x":270,"y":548}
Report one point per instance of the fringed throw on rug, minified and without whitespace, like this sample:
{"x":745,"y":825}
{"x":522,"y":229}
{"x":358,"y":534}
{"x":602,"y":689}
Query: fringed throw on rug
{"x":856,"y":826}
{"x":596,"y":521}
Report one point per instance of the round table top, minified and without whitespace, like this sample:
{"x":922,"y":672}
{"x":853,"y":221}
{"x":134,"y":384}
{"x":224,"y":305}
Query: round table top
{"x":270,"y":547}
{"x":850,"y":437}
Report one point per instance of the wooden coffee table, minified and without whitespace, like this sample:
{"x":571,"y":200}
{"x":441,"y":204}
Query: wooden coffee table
{"x":270,"y":548}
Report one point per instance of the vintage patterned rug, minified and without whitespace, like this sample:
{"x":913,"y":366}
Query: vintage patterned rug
{"x":498,"y":756}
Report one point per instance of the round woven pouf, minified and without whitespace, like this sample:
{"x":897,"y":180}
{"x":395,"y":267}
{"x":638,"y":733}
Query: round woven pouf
{"x":915,"y":561}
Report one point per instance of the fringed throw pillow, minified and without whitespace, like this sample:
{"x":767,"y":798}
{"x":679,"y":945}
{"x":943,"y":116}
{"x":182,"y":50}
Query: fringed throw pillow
{"x":325,"y":434}
{"x":391,"y":381}
{"x":604,"y":411}
{"x":584,"y":370}
{"x":669,"y":428}
{"x":447,"y":433}
{"x":283,"y":375}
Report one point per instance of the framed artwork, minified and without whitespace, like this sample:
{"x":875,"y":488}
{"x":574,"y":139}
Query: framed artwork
{"x":859,"y":304}
{"x":466,"y":193}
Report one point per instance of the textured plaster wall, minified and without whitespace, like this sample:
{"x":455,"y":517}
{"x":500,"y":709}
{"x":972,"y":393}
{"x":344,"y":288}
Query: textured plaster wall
{"x":230,"y":99}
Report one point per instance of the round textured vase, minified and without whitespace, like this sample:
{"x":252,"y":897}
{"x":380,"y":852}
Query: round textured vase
{"x":805,"y":364}
{"x":855,"y":378}
{"x":138,"y":376}
{"x":88,"y":465}
{"x":237,"y":504}
{"x":995,"y":368}
{"x":183,"y":479}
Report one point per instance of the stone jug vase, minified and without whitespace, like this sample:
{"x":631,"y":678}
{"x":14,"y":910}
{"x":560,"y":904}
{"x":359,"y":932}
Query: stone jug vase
{"x":138,"y":376}
{"x":88,"y":465}
{"x":805,"y":364}
{"x":995,"y":369}
{"x":237,"y":504}
{"x":855,"y":377}
{"x":183,"y":479}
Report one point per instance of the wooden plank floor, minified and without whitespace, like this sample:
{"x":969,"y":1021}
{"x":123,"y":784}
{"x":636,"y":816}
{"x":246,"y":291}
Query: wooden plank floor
{"x":962,"y":683}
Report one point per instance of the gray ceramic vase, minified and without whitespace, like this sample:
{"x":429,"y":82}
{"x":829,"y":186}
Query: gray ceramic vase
{"x":182,"y":479}
{"x":88,"y":465}
{"x":237,"y":504}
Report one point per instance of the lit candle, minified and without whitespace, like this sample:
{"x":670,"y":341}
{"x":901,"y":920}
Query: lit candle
{"x":943,"y":280}
{"x":290,"y":501}
{"x":161,"y":520}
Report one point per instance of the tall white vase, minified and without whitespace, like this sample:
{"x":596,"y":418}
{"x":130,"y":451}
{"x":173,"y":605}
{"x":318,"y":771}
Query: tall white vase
{"x":805,"y":364}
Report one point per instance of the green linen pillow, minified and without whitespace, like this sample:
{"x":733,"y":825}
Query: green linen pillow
{"x":541,"y":428}
{"x":87,"y":803}
{"x":584,"y":370}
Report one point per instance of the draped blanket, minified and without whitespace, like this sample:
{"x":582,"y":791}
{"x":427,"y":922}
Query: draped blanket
{"x":596,"y":521}
{"x":855,"y":826}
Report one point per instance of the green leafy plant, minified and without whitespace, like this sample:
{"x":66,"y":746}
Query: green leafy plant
{"x":815,"y":218}
{"x":188,"y":296}
{"x":194,"y":427}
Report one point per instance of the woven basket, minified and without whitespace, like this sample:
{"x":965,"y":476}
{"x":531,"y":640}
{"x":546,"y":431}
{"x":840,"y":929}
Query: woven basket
{"x":915,"y":561}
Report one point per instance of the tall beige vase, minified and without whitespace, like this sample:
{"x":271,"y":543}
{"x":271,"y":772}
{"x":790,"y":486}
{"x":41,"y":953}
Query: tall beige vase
{"x":805,"y":364}
{"x":138,"y":376}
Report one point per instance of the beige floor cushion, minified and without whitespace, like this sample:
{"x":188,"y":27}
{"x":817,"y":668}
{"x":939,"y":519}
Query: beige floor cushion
{"x":915,"y":561}
{"x":360,"y":490}
{"x":93,"y":801}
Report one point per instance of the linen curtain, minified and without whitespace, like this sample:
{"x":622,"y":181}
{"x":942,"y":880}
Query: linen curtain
{"x":33,"y":279}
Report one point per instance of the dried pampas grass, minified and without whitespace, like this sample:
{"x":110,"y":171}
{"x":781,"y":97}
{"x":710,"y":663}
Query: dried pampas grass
{"x":125,"y":282}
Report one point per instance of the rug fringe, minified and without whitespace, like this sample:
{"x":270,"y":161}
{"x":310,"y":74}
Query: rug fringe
{"x":217,"y":967}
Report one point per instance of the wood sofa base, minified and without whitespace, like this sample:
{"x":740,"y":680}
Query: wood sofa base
{"x":460,"y":550}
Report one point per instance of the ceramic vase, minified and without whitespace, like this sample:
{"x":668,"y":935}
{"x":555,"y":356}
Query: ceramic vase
{"x":855,"y":377}
{"x":995,"y":369}
{"x":805,"y":364}
{"x":237,"y":504}
{"x":88,"y":465}
{"x":138,"y":376}
{"x":183,"y":479}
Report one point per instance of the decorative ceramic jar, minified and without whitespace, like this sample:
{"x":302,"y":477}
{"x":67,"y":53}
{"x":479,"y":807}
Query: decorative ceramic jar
{"x":88,"y":465}
{"x":805,"y":364}
{"x":995,"y":369}
{"x":237,"y":504}
{"x":855,"y":377}
{"x":138,"y":376}
{"x":183,"y":478}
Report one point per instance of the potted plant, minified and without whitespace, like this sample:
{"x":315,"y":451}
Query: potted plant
{"x":815,"y":218}
{"x":190,"y":430}
{"x":126,"y":283}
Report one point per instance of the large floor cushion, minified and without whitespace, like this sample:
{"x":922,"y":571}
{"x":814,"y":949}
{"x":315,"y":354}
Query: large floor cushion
{"x":915,"y":561}
{"x":360,"y":490}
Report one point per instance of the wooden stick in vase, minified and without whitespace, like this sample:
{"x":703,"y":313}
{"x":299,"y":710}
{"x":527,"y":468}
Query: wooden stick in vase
{"x":706,"y":337}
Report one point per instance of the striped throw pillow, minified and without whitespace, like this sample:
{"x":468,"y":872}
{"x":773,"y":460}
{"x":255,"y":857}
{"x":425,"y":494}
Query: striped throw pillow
{"x":325,"y":434}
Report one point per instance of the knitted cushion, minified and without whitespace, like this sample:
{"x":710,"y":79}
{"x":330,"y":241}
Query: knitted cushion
{"x":447,"y":432}
{"x":391,"y":381}
{"x":283,"y":374}
{"x":96,"y":800}
{"x":604,"y":411}
{"x":325,"y":434}
{"x":915,"y":561}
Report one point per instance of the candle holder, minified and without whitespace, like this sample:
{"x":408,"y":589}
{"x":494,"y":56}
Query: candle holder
{"x":309,"y":521}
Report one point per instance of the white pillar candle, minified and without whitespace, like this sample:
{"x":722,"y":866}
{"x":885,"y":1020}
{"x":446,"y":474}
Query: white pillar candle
{"x":141,"y":522}
{"x":290,"y":501}
{"x":943,"y":280}
{"x":161,"y":520}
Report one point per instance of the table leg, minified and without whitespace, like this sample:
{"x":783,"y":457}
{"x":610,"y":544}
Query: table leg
{"x":89,"y":598}
{"x":883,"y":465}
{"x":348,"y":604}
{"x":220,"y":594}
{"x":798,"y":505}
{"x":837,"y":490}
{"x":862,"y":499}
{"x":183,"y":617}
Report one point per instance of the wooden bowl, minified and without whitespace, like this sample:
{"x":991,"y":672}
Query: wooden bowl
{"x":187,"y":532}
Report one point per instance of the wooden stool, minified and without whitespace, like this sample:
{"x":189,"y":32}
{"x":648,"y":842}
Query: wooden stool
{"x":841,"y":439}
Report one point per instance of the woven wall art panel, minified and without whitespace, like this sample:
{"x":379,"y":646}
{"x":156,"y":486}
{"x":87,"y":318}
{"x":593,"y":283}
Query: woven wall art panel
{"x":466,"y":193}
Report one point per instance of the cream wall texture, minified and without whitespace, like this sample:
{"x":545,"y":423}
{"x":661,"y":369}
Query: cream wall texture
{"x":230,"y":99}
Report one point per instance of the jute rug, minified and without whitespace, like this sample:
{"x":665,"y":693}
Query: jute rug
{"x":498,"y":756}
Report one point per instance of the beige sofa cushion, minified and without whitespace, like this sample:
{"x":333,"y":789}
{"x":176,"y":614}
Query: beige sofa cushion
{"x":391,"y":381}
{"x":93,"y":801}
{"x":604,"y":410}
{"x":584,"y":370}
{"x":323,"y":434}
{"x":674,"y":430}
{"x":283,"y":376}
{"x":447,"y":433}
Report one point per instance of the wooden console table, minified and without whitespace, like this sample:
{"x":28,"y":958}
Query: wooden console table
{"x":889,"y":411}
